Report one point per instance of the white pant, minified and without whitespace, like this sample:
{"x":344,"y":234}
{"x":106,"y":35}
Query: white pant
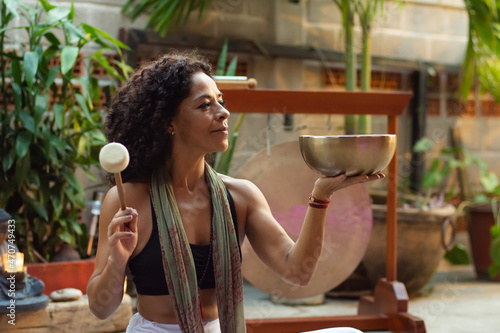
{"x":139,"y":324}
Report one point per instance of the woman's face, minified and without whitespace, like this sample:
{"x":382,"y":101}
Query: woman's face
{"x":201,"y":122}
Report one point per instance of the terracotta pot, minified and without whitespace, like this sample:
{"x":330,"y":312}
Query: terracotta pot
{"x":480,"y":221}
{"x":63,"y":274}
{"x":420,"y":244}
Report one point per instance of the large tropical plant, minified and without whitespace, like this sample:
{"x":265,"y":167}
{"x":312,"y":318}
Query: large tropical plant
{"x":50,"y":120}
{"x":164,"y":14}
{"x":483,"y":48}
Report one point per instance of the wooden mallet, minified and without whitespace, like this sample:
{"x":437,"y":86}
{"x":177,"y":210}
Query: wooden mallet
{"x":114,"y":158}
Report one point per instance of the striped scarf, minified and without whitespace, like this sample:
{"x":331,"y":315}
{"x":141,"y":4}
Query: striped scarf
{"x":178,"y":262}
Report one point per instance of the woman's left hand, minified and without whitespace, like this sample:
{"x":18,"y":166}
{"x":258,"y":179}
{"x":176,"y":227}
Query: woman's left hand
{"x":325,"y":186}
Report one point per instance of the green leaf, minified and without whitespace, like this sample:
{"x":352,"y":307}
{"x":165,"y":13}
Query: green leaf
{"x":495,"y":231}
{"x":69,"y":54}
{"x":40,"y":209}
{"x":495,"y":257}
{"x":46,"y":5}
{"x":41,"y":29}
{"x":76,"y":199}
{"x":57,"y":203}
{"x":227,"y":156}
{"x":231,"y":69}
{"x":52,"y":38}
{"x":51,"y":77}
{"x":423,"y":145}
{"x":74,"y":32}
{"x":18,"y":95}
{"x":8,"y":159}
{"x":36,"y":205}
{"x":12,"y":6}
{"x":90,"y":175}
{"x":30,"y":66}
{"x":27,"y":121}
{"x":22,"y":168}
{"x":71,"y":14}
{"x":23,"y":141}
{"x":432,"y":177}
{"x":83,"y":104}
{"x":65,"y":236}
{"x":458,"y":255}
{"x":74,"y":226}
{"x":33,"y":178}
{"x":17,"y":71}
{"x":41,"y":102}
{"x":57,"y":14}
{"x":72,"y":181}
{"x":82,"y":144}
{"x":55,"y":141}
{"x":95,"y":32}
{"x":489,"y":181}
{"x":221,"y":62}
{"x":58,"y":115}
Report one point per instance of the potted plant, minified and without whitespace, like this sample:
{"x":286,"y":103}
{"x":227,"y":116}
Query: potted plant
{"x":482,"y":211}
{"x":480,"y":204}
{"x":51,"y":117}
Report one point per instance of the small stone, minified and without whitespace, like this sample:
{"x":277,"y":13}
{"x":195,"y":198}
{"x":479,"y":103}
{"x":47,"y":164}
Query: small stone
{"x":66,"y":295}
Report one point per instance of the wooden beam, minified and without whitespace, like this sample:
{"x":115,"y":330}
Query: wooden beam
{"x":315,"y":102}
{"x":302,"y":324}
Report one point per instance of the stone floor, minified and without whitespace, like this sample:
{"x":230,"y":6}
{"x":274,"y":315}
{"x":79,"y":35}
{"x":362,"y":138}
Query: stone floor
{"x":454,"y":302}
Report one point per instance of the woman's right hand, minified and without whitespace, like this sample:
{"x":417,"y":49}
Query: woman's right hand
{"x":122,"y":235}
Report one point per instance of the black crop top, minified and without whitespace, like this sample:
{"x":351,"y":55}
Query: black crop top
{"x":147,"y":266}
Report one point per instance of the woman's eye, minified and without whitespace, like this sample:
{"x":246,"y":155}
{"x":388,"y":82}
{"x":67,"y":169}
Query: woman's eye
{"x":223,"y":103}
{"x":205,"y":105}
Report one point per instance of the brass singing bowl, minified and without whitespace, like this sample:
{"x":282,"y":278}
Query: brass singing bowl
{"x":332,"y":155}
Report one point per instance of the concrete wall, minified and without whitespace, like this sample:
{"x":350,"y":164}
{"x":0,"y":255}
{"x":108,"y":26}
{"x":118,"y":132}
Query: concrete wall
{"x":420,"y":30}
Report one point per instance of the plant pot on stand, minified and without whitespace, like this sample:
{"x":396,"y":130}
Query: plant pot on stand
{"x":480,"y":221}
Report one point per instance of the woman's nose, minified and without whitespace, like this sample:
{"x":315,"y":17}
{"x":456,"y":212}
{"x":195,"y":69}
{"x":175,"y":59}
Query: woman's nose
{"x":223,"y":113}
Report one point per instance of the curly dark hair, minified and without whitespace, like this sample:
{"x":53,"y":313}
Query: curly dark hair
{"x":143,"y":108}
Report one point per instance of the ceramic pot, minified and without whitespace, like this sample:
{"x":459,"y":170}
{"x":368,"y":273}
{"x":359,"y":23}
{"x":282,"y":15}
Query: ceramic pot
{"x":423,"y":238}
{"x":63,"y":274}
{"x":480,"y":220}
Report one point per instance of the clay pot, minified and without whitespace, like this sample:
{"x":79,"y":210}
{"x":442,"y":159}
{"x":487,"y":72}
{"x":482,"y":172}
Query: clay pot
{"x":64,"y":274}
{"x":421,"y":243}
{"x":480,"y":220}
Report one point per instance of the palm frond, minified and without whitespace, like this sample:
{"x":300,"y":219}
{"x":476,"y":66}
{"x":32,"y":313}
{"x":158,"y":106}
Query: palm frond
{"x":483,"y":49}
{"x":165,"y":14}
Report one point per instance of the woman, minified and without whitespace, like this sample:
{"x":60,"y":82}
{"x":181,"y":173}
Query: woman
{"x":182,"y":237}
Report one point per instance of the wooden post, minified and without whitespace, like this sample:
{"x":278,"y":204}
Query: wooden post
{"x":392,"y":186}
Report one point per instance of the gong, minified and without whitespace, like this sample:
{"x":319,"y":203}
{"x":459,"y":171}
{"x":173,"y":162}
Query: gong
{"x":286,"y":181}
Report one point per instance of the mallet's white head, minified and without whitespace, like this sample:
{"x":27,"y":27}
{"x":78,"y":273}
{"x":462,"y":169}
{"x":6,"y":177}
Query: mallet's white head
{"x":114,"y":157}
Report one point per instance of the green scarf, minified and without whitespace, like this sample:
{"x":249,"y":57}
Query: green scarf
{"x":178,"y":263}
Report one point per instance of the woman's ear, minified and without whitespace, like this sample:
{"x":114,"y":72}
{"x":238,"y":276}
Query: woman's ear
{"x":170,"y":129}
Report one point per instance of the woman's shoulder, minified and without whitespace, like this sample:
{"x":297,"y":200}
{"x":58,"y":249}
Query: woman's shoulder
{"x":135,"y":192}
{"x":240,"y":187}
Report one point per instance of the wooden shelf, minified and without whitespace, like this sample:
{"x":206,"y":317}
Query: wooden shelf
{"x":315,"y":102}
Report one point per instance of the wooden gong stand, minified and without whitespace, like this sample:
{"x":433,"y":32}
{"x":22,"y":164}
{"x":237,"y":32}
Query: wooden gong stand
{"x":387,"y":308}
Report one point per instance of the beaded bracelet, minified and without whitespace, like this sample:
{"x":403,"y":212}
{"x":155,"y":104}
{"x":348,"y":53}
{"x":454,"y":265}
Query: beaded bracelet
{"x":316,"y":203}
